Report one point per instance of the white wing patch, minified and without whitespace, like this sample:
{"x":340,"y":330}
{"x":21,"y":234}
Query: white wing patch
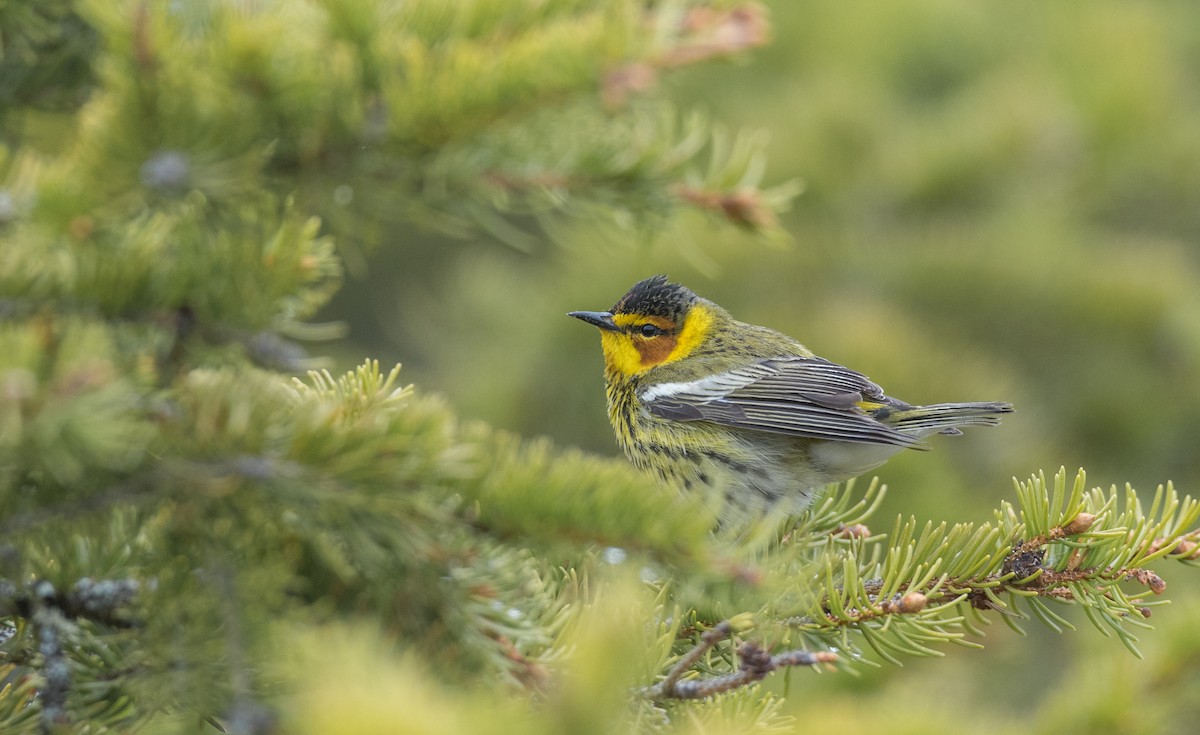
{"x":704,"y":389}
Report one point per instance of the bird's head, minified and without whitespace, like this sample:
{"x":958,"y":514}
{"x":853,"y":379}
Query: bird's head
{"x":655,"y":323}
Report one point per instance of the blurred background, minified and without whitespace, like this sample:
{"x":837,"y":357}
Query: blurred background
{"x":1000,"y":201}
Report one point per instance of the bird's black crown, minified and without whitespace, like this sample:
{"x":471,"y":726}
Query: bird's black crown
{"x":655,"y":296}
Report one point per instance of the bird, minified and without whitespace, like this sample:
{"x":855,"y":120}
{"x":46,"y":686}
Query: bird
{"x":705,"y":401}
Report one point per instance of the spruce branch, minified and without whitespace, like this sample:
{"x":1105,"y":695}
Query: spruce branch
{"x":698,"y":34}
{"x":245,"y":716}
{"x":707,"y":32}
{"x":744,"y":207}
{"x":1064,"y":545}
{"x":133,"y":491}
{"x":653,"y":160}
{"x":51,"y":627}
{"x":755,"y":663}
{"x":55,"y":617}
{"x":909,"y":591}
{"x":107,"y":602}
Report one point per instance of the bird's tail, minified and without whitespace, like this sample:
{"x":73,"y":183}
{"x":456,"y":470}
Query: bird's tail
{"x":945,"y":418}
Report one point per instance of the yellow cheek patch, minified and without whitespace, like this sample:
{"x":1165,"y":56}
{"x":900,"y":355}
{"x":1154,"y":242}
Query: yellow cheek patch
{"x":620,"y":355}
{"x":696,"y":327}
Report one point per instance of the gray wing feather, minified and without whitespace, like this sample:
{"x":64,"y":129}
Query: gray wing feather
{"x":804,"y":397}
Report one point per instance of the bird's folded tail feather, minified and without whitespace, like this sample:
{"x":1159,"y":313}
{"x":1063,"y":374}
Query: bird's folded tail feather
{"x":945,"y":417}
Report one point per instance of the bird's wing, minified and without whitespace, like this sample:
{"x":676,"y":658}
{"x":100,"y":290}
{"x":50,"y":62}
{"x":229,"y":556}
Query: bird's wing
{"x":799,"y":396}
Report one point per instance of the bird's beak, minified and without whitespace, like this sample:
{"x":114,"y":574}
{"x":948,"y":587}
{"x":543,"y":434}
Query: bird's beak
{"x":602,"y":319}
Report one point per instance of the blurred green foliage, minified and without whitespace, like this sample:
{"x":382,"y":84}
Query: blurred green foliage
{"x":999,"y":202}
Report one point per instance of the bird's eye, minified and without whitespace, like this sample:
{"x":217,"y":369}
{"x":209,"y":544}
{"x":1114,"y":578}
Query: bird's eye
{"x":649,"y":330}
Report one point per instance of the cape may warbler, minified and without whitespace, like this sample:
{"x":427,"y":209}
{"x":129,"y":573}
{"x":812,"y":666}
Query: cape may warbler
{"x":705,"y":400}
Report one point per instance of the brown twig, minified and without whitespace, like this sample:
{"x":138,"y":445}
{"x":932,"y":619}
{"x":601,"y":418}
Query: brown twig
{"x":743,"y":207}
{"x":754,"y":664}
{"x":710,"y":638}
{"x":701,"y":34}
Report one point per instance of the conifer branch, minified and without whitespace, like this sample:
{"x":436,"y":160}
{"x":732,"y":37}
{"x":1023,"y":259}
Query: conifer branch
{"x":754,"y":664}
{"x":744,"y":207}
{"x":140,"y":488}
{"x":51,"y":627}
{"x":699,"y":34}
{"x":906,"y":591}
{"x":1070,"y":545}
{"x":54,"y":618}
{"x":245,"y":716}
{"x":102,"y":601}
